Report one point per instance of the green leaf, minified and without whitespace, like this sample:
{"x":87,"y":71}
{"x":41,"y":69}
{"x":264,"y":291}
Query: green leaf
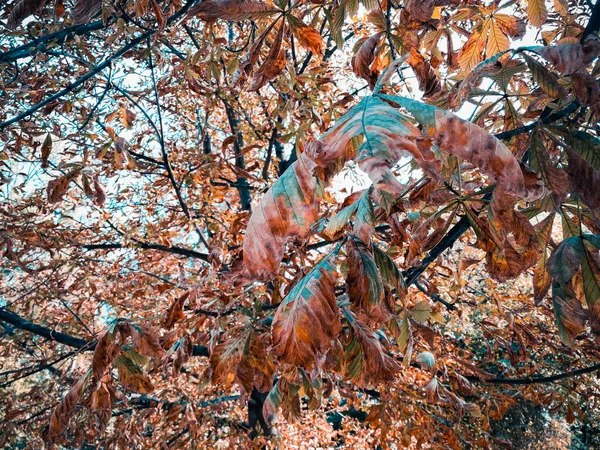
{"x":565,"y":260}
{"x":390,"y":273}
{"x":426,"y":358}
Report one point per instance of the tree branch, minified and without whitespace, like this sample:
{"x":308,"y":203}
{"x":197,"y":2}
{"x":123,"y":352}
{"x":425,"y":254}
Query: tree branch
{"x":62,"y":338}
{"x":138,"y":244}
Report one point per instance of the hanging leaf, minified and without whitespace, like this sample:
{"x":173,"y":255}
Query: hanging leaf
{"x":365,"y":288}
{"x":57,"y":188}
{"x":132,"y":377}
{"x":46,"y":149}
{"x":569,"y":58}
{"x":85,"y":10}
{"x":307,"y":321}
{"x":545,"y":79}
{"x":366,"y":359}
{"x":428,"y":81}
{"x":585,"y":180}
{"x":363,"y":59}
{"x":63,"y":412}
{"x":568,"y":311}
{"x":273,"y":65}
{"x":22,"y":10}
{"x":236,"y":10}
{"x":307,"y":35}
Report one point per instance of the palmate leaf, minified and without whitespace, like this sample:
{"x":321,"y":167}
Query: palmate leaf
{"x":290,"y":206}
{"x":307,"y":321}
{"x":468,"y":141}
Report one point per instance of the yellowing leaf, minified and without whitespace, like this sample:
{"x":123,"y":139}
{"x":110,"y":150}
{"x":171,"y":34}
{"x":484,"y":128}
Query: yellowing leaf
{"x":132,"y":377}
{"x":497,"y":41}
{"x":537,"y":12}
{"x":307,"y":35}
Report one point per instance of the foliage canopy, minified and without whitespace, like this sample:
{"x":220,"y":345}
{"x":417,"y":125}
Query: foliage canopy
{"x":318,"y":223}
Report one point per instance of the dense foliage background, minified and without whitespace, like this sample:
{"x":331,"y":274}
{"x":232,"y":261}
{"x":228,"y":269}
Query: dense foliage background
{"x":305,"y":224}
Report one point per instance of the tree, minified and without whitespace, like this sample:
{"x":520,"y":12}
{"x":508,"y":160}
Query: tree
{"x":254,"y":223}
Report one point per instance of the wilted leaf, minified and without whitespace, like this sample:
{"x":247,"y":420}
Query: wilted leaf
{"x":365,"y":288}
{"x":46,"y":149}
{"x":307,"y":35}
{"x":65,"y":409}
{"x":236,"y":10}
{"x":426,"y":358}
{"x":568,"y":311}
{"x":22,"y":10}
{"x":57,"y":188}
{"x":85,"y":10}
{"x":362,"y":60}
{"x":429,"y":82}
{"x":132,"y":377}
{"x":307,"y":321}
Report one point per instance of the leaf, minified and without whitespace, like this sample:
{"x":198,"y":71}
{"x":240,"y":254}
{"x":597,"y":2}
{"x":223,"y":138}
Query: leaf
{"x":421,"y":311}
{"x":537,"y":12}
{"x":388,"y":270}
{"x":132,"y":377}
{"x":85,"y":10}
{"x":497,"y":41}
{"x":160,"y":21}
{"x":428,"y":81}
{"x":366,"y":358}
{"x":57,"y":188}
{"x":554,"y":178}
{"x":586,"y":145}
{"x":236,"y":10}
{"x":146,"y":342}
{"x":22,"y":10}
{"x":105,"y":353}
{"x":364,"y":223}
{"x":63,"y":412}
{"x":307,"y":35}
{"x":46,"y":149}
{"x":427,"y":359}
{"x":541,"y":280}
{"x":546,"y":80}
{"x":569,"y":58}
{"x":364,"y":57}
{"x":287,"y":210}
{"x":365,"y":288}
{"x":273,"y":65}
{"x":471,"y":53}
{"x":590,"y":274}
{"x":228,"y":362}
{"x":569,"y":314}
{"x":307,"y":321}
{"x":585,"y":180}
{"x":339,"y":221}
{"x":466,"y":140}
{"x":421,"y":10}
{"x":565,"y":260}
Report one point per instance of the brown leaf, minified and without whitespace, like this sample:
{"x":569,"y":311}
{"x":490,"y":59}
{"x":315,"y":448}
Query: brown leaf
{"x":369,"y":360}
{"x":85,"y":10}
{"x":105,"y":353}
{"x":273,"y":65}
{"x":46,"y":149}
{"x":57,"y":188}
{"x":571,"y":58}
{"x":585,"y":180}
{"x":175,"y":311}
{"x":429,"y":82}
{"x":362,"y":60}
{"x":22,"y":10}
{"x":287,"y":210}
{"x":307,"y":321}
{"x":132,"y":377}
{"x":65,"y":409}
{"x":236,"y":10}
{"x":365,"y":288}
{"x":541,"y":280}
{"x":161,"y":21}
{"x":146,"y":342}
{"x":307,"y":35}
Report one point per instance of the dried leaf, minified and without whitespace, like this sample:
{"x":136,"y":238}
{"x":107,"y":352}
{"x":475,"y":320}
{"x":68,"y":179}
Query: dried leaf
{"x":132,"y":377}
{"x":365,"y":288}
{"x":307,"y":35}
{"x":65,"y":409}
{"x":236,"y":10}
{"x":22,"y":10}
{"x":307,"y":321}
{"x":85,"y":10}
